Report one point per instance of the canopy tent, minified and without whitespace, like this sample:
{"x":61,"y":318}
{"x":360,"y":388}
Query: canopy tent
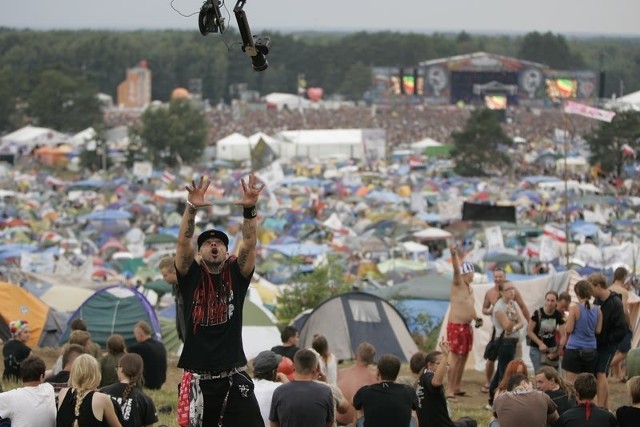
{"x":28,"y":137}
{"x":332,"y":143}
{"x":430,"y":147}
{"x":233,"y":147}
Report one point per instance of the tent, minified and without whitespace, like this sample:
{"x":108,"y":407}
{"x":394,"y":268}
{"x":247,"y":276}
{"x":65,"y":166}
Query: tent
{"x":234,"y":147}
{"x":114,"y":310}
{"x":349,"y":319}
{"x":18,"y":304}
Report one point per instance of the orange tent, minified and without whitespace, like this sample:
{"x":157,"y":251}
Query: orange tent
{"x":18,"y":304}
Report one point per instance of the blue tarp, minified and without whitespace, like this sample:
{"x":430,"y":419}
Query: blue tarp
{"x":105,"y":215}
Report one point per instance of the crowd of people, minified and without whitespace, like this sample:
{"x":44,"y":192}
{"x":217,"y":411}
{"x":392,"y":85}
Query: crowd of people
{"x":84,"y":387}
{"x":571,"y":344}
{"x":404,"y":123}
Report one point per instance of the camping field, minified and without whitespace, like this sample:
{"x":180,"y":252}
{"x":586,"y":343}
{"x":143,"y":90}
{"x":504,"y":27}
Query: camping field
{"x":472,"y":406}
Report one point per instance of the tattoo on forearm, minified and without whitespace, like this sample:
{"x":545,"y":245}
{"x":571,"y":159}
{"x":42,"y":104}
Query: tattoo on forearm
{"x":191,"y":227}
{"x":243,"y":255}
{"x":249,"y":229}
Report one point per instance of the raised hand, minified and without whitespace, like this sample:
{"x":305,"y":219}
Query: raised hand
{"x":251,"y":191}
{"x":197,"y":193}
{"x":445,"y":346}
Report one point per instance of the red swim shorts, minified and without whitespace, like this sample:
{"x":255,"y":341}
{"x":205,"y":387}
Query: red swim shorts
{"x":460,"y":337}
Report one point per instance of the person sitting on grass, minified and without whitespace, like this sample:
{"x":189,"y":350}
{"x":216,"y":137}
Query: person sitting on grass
{"x":138,"y":409}
{"x":523,"y":406}
{"x":587,"y":414}
{"x":562,"y":394}
{"x":433,"y":410}
{"x":628,"y":416}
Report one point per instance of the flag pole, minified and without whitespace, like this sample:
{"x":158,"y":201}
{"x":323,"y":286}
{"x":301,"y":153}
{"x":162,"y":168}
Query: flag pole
{"x":566,"y":190}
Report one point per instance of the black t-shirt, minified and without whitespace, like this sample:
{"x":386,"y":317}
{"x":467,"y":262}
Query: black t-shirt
{"x":58,"y":381}
{"x":14,"y":352}
{"x":628,"y":416}
{"x":614,"y":326}
{"x":138,"y":410}
{"x":562,"y":401}
{"x":545,"y":326}
{"x":154,"y":356}
{"x":576,"y":417}
{"x":386,"y":404}
{"x":282,"y":350}
{"x":216,"y":343}
{"x":432,"y":408}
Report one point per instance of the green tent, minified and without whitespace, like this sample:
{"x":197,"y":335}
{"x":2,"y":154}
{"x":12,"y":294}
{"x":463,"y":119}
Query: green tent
{"x":114,"y":310}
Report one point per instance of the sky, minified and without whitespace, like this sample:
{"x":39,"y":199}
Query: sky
{"x":568,"y":17}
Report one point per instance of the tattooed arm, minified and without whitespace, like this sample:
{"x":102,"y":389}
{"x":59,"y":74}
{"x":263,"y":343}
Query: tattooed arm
{"x":247,"y":252}
{"x":185,"y":251}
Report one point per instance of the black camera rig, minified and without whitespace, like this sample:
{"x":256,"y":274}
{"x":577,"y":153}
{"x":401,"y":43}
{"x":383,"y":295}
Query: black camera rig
{"x":210,"y":20}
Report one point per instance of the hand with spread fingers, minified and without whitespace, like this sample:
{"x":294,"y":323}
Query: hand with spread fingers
{"x":251,"y":190}
{"x":197,"y":193}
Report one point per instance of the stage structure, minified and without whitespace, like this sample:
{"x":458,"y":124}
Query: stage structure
{"x":481,"y":79}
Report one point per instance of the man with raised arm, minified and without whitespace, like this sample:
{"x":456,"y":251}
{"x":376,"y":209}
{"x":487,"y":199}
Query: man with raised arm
{"x":462,"y":311}
{"x":216,"y":389}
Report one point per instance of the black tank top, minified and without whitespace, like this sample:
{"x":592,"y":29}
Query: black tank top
{"x":66,"y":412}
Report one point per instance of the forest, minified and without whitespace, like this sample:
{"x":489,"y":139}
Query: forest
{"x":340,"y":63}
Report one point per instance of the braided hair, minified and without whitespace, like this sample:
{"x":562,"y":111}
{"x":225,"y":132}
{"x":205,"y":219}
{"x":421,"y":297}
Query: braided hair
{"x":84,"y":378}
{"x":132,"y":368}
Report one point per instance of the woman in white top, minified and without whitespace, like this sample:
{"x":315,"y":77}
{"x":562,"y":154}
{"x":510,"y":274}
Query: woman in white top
{"x":328,"y":362}
{"x":507,"y":322}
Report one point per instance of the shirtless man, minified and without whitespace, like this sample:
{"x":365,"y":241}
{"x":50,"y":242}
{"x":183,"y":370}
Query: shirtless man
{"x":462,"y":312}
{"x":621,"y":286}
{"x":490,"y":298}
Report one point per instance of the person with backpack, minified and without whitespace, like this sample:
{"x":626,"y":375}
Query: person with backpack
{"x":541,"y":333}
{"x":614,"y":329}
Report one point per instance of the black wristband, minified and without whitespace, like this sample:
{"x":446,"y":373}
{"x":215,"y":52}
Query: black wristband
{"x":250,"y":212}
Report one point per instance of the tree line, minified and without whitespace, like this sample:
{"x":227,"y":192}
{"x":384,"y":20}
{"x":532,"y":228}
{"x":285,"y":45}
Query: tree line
{"x":339,"y":63}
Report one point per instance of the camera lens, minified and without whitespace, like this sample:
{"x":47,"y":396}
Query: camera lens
{"x":259,"y":62}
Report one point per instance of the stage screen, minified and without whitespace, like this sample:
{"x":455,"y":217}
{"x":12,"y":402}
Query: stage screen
{"x":495,"y":102}
{"x":410,"y":85}
{"x":462,"y":85}
{"x":562,"y":88}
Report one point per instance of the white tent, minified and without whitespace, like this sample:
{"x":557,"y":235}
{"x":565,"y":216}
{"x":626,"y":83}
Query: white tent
{"x":28,"y":137}
{"x":632,"y":98}
{"x":286,"y":100}
{"x":328,"y":143}
{"x":419,"y":146}
{"x":233,"y":147}
{"x":82,"y":137}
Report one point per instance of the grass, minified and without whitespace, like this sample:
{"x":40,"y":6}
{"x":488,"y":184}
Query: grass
{"x":471,"y":405}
